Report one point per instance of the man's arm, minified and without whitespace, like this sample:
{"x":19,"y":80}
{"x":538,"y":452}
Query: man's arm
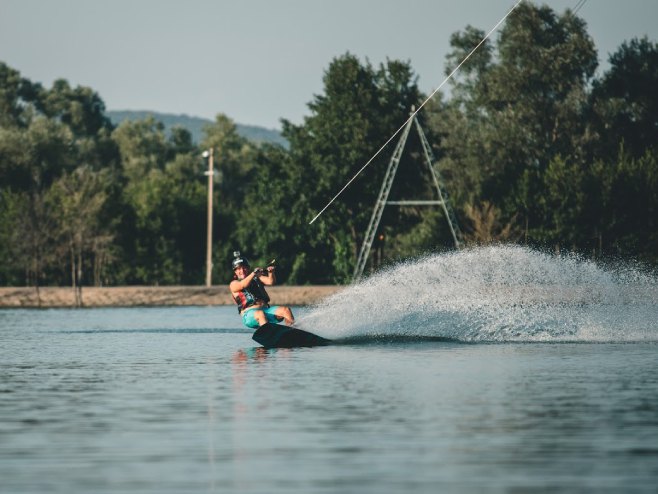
{"x":239,"y":285}
{"x":268,"y":279}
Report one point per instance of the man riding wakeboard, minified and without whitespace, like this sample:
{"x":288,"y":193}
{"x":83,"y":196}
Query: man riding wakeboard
{"x":248,"y":290}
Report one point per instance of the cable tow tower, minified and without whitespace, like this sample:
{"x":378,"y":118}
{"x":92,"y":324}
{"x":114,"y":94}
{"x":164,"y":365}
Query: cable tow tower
{"x":382,"y":200}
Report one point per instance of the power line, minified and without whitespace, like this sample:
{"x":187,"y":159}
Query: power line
{"x":578,"y":6}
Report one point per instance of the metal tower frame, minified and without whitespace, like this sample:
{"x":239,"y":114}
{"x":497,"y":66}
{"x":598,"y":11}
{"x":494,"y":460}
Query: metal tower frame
{"x":382,"y":201}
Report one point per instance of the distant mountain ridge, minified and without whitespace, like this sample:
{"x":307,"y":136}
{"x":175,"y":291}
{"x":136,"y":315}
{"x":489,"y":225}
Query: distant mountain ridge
{"x":195,"y":125}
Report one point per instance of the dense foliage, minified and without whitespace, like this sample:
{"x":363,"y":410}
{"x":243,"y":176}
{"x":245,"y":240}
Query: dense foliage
{"x":533,"y":146}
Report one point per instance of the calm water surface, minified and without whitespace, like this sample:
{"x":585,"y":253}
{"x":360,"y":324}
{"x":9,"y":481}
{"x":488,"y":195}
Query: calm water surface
{"x":181,"y":400}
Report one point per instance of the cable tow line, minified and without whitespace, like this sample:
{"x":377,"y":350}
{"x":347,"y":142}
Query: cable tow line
{"x":415,"y":112}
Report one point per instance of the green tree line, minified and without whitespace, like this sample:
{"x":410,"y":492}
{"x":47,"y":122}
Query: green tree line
{"x":532,"y":144}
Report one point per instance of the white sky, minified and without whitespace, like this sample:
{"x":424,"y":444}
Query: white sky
{"x":257,"y":61}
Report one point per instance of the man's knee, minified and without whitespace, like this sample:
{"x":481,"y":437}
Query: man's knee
{"x":286,"y":313}
{"x":259,"y":315}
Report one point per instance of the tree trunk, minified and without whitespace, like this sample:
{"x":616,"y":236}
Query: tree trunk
{"x":601,"y":245}
{"x":74,"y":281}
{"x":98,"y":265}
{"x":78,"y":292}
{"x":35,"y":279}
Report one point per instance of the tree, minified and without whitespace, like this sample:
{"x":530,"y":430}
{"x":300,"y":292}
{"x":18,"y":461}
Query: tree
{"x":361,"y":107}
{"x":271,"y":223}
{"x":32,"y":160}
{"x":76,"y":200}
{"x":630,"y":204}
{"x":186,"y":214}
{"x":517,"y":107}
{"x":624,"y":101}
{"x":44,"y":136}
{"x":161,"y":232}
{"x":80,"y":108}
{"x":18,"y":98}
{"x":485,"y":227}
{"x":27,"y":231}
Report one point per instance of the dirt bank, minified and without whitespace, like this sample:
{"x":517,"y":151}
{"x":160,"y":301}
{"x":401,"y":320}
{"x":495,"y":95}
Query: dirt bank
{"x":129,"y":296}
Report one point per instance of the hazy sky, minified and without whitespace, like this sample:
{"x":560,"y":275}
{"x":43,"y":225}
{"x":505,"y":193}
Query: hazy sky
{"x":257,"y":61}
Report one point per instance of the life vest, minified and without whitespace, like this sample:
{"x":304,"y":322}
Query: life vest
{"x":254,"y":293}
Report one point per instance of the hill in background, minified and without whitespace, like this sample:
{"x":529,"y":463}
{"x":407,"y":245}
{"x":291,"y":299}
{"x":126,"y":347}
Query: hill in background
{"x":195,"y":125}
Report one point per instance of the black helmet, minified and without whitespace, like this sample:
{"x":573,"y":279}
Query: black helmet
{"x":238,"y":260}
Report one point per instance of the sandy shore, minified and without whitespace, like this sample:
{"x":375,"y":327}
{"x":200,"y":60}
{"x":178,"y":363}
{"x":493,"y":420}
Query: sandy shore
{"x":129,"y":296}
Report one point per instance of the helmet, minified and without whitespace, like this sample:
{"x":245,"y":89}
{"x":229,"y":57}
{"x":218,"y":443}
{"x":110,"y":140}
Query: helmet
{"x":238,"y":260}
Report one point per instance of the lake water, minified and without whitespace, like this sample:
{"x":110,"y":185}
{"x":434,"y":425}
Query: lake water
{"x":511,"y":371}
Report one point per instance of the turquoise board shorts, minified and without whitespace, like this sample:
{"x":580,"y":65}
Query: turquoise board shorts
{"x":250,"y":321}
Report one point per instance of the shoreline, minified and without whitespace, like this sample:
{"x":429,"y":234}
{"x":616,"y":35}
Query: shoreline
{"x":153,"y":296}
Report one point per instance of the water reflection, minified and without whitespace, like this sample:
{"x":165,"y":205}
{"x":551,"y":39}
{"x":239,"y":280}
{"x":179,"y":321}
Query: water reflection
{"x":257,"y":354}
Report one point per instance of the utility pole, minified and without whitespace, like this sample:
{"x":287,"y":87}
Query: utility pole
{"x":211,"y":171}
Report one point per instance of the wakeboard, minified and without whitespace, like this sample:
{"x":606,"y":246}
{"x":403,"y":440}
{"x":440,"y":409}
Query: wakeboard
{"x":272,"y":335}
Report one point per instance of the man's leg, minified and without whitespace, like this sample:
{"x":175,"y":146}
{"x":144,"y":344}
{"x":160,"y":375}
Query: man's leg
{"x":286,"y":314}
{"x":254,"y":318}
{"x":259,"y":315}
